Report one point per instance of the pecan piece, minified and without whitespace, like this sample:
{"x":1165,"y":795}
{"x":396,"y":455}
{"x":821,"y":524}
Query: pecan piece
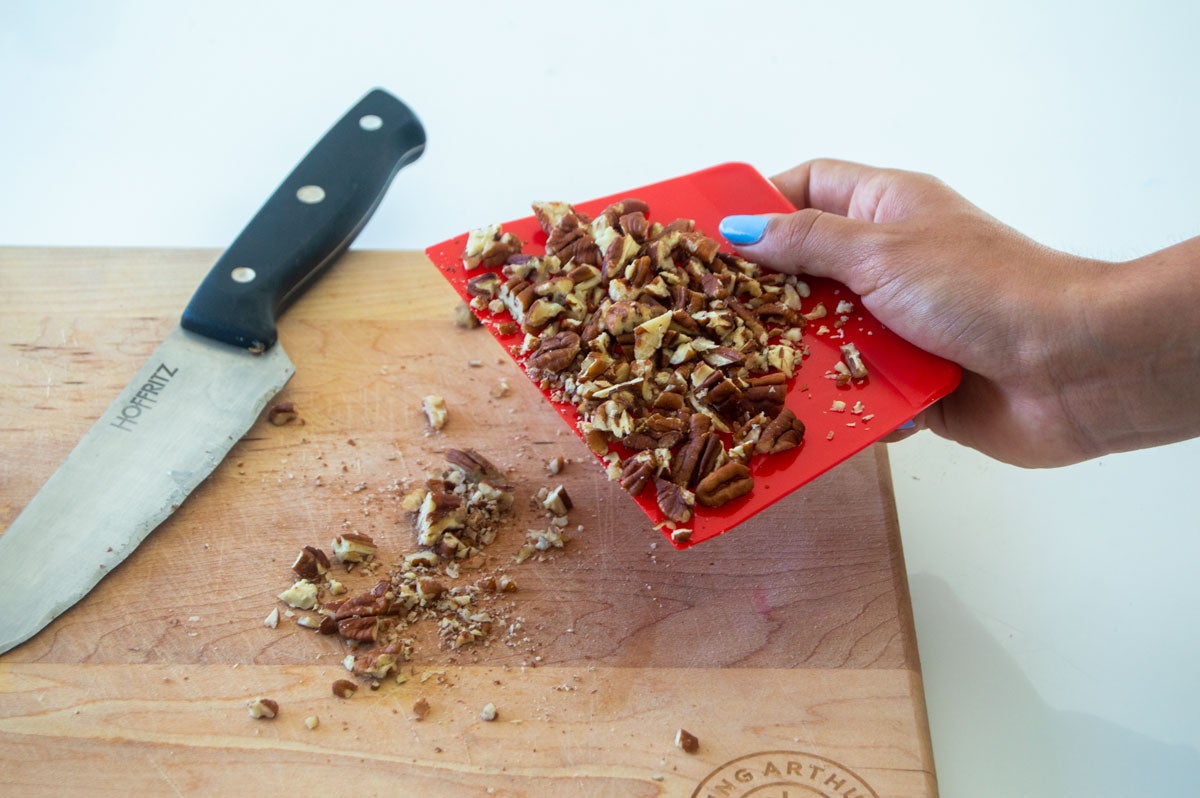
{"x":720,"y":393}
{"x":344,"y":688}
{"x":311,"y":563}
{"x":697,"y":459}
{"x":489,"y":246}
{"x":440,"y":511}
{"x":765,"y":395}
{"x":557,"y":352}
{"x":263,"y":708}
{"x":376,"y":601}
{"x":352,"y":547}
{"x":701,"y":246}
{"x":282,"y":413}
{"x":549,"y":214}
{"x":656,"y":432}
{"x":485,"y":285}
{"x":725,"y":484}
{"x":474,"y":465}
{"x":364,"y":628}
{"x":675,"y":502}
{"x":854,"y":362}
{"x":635,"y":224}
{"x":571,"y":241}
{"x":636,"y":475}
{"x":783,"y":433}
{"x":378,"y":662}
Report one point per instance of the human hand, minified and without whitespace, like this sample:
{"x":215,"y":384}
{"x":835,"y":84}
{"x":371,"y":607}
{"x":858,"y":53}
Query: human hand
{"x":1032,"y":327}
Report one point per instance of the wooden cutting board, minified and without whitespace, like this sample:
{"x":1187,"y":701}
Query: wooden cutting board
{"x":786,"y":646}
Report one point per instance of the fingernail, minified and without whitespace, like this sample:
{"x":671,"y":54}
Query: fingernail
{"x":743,"y":229}
{"x":907,"y":425}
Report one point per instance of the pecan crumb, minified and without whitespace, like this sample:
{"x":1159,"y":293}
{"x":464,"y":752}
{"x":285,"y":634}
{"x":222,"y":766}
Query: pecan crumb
{"x":282,"y":413}
{"x":302,"y":595}
{"x":687,"y":741}
{"x":464,"y":318}
{"x":344,"y":688}
{"x":312,"y":721}
{"x":420,"y":708}
{"x":352,"y":547}
{"x":263,"y":709}
{"x":488,"y":713}
{"x":434,"y":408}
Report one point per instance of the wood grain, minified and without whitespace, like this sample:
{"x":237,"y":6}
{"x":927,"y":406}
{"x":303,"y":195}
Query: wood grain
{"x":793,"y":632}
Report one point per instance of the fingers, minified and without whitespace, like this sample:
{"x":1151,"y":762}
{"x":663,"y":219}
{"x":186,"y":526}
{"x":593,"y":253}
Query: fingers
{"x":825,"y":184}
{"x":809,"y":241}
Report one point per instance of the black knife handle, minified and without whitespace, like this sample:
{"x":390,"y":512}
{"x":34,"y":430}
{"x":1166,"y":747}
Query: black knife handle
{"x":306,"y":224}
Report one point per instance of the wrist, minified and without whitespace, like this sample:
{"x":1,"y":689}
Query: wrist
{"x":1128,"y":370}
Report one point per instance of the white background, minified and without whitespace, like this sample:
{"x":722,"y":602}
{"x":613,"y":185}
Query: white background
{"x":1056,"y":610}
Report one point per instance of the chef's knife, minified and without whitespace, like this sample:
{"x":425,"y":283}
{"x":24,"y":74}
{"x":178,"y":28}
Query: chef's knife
{"x":207,"y":382}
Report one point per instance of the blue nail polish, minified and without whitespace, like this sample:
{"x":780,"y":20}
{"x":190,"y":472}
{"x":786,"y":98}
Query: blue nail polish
{"x":743,"y":229}
{"x":907,"y":425}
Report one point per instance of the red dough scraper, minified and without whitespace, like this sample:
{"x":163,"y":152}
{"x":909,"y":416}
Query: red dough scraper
{"x":902,"y":379}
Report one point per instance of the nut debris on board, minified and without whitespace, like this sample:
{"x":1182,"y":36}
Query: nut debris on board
{"x":263,"y":709}
{"x":687,"y":741}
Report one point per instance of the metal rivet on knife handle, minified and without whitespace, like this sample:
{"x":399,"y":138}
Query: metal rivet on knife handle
{"x":370,"y":122}
{"x":243,"y":274}
{"x":310,"y":195}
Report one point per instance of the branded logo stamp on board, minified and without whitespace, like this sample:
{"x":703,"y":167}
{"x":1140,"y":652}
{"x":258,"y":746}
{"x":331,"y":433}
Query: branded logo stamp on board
{"x":783,"y":774}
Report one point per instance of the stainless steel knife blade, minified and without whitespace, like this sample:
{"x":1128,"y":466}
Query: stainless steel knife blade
{"x":207,"y":383}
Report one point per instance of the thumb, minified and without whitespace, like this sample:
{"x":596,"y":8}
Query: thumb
{"x":808,"y":241}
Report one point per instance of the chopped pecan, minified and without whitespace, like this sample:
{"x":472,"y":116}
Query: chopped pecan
{"x":765,"y":394}
{"x":558,"y":502}
{"x":656,"y":432}
{"x":624,"y":317}
{"x":697,"y":458}
{"x":701,"y":246}
{"x":556,"y":353}
{"x":784,"y":432}
{"x":549,"y":214}
{"x":441,"y":511}
{"x":624,"y":207}
{"x":364,"y":628}
{"x":721,"y":356}
{"x":489,"y":246}
{"x":570,"y":241}
{"x":475,"y":466}
{"x":725,"y":484}
{"x":344,"y":688}
{"x":687,"y":741}
{"x":636,"y":475}
{"x":675,"y":502}
{"x":669,"y":401}
{"x":687,"y":300}
{"x":635,"y":224}
{"x":282,"y":413}
{"x":378,"y":662}
{"x":640,"y":272}
{"x":263,"y":709}
{"x":485,"y":285}
{"x":311,"y":563}
{"x":350,"y":547}
{"x":376,"y":601}
{"x":716,"y":286}
{"x":854,"y":362}
{"x":720,"y":393}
